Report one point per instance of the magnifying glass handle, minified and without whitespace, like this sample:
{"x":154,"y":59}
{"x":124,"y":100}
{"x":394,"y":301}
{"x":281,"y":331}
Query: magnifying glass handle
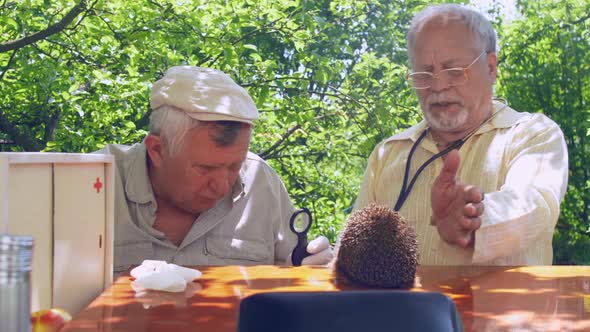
{"x":300,"y":251}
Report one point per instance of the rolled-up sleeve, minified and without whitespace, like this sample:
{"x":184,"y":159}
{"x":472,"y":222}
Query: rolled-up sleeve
{"x":526,"y":207}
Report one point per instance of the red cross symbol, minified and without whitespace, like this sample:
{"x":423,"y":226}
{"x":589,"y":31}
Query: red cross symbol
{"x":97,"y":185}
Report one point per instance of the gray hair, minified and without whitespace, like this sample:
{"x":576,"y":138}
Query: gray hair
{"x":172,"y":124}
{"x":484,"y":33}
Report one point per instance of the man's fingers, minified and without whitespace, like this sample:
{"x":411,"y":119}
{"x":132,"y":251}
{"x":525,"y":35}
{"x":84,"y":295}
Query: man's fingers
{"x":320,"y":251}
{"x":465,"y":240}
{"x":450,"y":166}
{"x":318,"y":244}
{"x":473,"y":194}
{"x":321,"y":258}
{"x":473,"y":209}
{"x":470,"y":224}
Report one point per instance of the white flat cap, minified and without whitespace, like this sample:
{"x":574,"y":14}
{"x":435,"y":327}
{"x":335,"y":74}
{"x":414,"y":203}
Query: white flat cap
{"x":204,"y":94}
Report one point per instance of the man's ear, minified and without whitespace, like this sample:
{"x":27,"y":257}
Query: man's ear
{"x":155,"y":149}
{"x":493,"y":66}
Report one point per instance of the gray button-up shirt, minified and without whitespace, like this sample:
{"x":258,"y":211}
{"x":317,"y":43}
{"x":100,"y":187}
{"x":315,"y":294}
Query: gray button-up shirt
{"x":247,"y":227}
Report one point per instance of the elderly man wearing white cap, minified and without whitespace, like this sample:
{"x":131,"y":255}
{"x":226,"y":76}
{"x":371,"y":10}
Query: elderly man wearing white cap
{"x":191,"y":193}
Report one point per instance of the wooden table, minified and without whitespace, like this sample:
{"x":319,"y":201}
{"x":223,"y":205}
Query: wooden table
{"x":535,"y":298}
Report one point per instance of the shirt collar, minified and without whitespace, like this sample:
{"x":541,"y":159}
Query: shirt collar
{"x":138,"y":187}
{"x":239,"y":188}
{"x":505,"y":119}
{"x":411,"y":133}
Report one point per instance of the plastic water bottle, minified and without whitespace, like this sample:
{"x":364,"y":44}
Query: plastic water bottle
{"x":15,"y":283}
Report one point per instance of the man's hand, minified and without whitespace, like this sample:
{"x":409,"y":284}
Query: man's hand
{"x":456,"y":207}
{"x":320,"y":251}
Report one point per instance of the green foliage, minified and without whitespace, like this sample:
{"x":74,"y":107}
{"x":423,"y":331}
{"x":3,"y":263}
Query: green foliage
{"x":327,"y":76}
{"x":549,"y":72}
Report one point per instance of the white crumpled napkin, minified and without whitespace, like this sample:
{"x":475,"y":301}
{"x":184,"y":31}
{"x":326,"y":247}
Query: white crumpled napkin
{"x":162,"y":276}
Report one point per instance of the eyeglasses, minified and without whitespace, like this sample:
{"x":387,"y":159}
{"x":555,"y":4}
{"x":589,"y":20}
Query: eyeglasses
{"x":452,"y":76}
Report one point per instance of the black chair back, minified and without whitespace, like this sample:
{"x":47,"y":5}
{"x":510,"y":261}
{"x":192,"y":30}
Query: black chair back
{"x":349,"y":311}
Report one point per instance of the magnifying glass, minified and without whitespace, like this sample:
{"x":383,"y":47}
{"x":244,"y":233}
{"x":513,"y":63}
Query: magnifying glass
{"x":300,"y":224}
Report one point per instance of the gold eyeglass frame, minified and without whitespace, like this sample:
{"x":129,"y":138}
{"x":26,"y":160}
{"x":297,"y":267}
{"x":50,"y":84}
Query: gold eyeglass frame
{"x":465,"y":71}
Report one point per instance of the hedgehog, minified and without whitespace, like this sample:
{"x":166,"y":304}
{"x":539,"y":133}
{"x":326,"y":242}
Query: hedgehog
{"x":377,"y":249}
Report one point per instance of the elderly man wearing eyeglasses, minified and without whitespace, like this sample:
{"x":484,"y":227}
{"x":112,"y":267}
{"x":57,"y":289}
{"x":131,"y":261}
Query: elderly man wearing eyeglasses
{"x":480,"y":182}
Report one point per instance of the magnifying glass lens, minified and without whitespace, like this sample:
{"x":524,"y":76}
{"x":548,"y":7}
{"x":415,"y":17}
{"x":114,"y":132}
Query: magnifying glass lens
{"x":301,"y":222}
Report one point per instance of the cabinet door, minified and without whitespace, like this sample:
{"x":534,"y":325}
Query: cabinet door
{"x":79,"y":234}
{"x":30,"y":213}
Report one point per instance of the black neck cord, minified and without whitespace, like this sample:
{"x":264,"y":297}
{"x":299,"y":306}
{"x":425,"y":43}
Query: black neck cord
{"x":406,"y":189}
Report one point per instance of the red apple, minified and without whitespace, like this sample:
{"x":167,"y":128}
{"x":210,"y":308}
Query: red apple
{"x":49,"y":320}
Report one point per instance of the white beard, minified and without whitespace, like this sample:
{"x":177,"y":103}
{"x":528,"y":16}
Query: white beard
{"x":441,"y":120}
{"x":445,"y":121}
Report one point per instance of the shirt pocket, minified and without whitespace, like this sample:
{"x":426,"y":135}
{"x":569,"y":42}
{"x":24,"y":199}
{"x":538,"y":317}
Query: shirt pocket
{"x":235,"y":250}
{"x":129,"y":254}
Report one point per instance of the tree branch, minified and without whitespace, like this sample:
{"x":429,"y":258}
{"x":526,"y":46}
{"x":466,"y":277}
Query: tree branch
{"x":581,"y":19}
{"x":7,"y":5}
{"x":144,"y":120}
{"x":20,"y":139}
{"x":7,"y":65}
{"x":53,"y":29}
{"x":286,"y":135}
{"x":86,"y":13}
{"x":76,"y":54}
{"x":266,"y":27}
{"x":51,"y":125}
{"x":541,"y":33}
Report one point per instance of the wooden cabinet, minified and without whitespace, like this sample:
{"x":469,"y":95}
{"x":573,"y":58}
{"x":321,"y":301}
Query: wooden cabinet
{"x":65,"y":201}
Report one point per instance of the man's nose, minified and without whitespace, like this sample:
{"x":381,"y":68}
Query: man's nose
{"x":220,"y":182}
{"x":439,"y":83}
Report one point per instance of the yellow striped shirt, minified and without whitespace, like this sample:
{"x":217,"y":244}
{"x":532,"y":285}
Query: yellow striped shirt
{"x":520,"y":161}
